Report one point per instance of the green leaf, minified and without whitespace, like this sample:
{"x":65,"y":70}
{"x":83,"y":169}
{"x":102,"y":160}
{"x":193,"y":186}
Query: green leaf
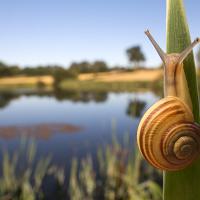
{"x":183,"y":184}
{"x":178,"y":38}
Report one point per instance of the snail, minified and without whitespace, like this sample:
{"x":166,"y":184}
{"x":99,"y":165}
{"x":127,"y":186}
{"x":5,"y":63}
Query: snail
{"x":167,"y":135}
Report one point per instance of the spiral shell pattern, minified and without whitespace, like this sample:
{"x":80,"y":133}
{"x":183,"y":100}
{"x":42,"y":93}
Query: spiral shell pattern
{"x":167,"y":136}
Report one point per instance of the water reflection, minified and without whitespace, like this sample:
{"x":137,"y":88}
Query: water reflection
{"x":86,"y":117}
{"x":76,"y":96}
{"x":80,"y":96}
{"x":135,"y":108}
{"x":69,"y":124}
{"x":42,"y":131}
{"x":6,"y":97}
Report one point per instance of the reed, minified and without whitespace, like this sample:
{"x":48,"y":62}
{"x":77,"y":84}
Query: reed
{"x":183,"y":184}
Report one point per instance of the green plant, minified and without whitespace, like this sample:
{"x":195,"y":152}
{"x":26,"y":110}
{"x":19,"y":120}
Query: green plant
{"x":121,"y":175}
{"x":24,"y":182}
{"x":182,"y":184}
{"x":61,"y":74}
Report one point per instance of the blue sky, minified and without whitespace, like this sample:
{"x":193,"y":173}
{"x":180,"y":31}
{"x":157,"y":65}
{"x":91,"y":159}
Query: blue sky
{"x":62,"y":31}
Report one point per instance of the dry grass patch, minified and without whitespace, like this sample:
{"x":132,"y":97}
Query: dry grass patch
{"x":23,"y":80}
{"x":116,"y":76}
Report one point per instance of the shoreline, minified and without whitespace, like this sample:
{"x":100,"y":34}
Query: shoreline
{"x":113,"y":80}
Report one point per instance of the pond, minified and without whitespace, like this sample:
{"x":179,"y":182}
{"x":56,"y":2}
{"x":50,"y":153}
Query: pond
{"x":69,"y":124}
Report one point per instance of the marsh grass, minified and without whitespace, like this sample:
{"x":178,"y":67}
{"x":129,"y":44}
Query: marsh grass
{"x":25,"y":181}
{"x":183,"y":184}
{"x":110,"y":86}
{"x":118,"y":174}
{"x":121,"y":175}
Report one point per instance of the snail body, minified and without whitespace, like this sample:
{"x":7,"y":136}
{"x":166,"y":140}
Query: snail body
{"x":167,"y":135}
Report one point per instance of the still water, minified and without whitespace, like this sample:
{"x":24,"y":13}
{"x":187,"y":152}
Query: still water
{"x":84,"y":120}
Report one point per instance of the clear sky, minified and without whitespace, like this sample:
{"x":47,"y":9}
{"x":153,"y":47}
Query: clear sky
{"x":62,"y":31}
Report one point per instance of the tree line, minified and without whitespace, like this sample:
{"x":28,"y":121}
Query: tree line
{"x":74,"y":68}
{"x":135,"y":55}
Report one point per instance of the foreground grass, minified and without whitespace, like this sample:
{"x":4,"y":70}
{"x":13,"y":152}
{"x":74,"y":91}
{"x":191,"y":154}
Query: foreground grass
{"x":117,"y":176}
{"x":25,"y":181}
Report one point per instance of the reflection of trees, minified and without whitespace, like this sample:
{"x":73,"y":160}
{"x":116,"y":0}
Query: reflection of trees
{"x":135,"y":108}
{"x":6,"y":97}
{"x":82,"y":96}
{"x":61,"y":95}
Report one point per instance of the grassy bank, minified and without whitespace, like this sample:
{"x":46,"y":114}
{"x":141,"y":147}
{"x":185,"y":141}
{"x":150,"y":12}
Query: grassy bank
{"x":26,"y":80}
{"x":116,"y":81}
{"x":109,"y":86}
{"x":136,"y":75}
{"x":105,"y":81}
{"x":118,"y":172}
{"x":90,"y":85}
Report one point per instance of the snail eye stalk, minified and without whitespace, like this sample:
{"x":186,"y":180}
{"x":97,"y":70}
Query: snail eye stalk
{"x":188,"y":50}
{"x":161,"y":53}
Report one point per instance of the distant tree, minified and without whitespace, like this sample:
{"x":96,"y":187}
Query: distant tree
{"x":14,"y":70}
{"x":135,"y":55}
{"x":40,"y":70}
{"x":82,"y":67}
{"x":74,"y":67}
{"x":99,"y":66}
{"x":61,"y":74}
{"x":4,"y":71}
{"x":7,"y":70}
{"x":86,"y":67}
{"x":3,"y":65}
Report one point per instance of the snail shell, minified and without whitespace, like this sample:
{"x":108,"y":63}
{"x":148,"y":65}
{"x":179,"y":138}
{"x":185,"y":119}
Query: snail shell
{"x":167,"y":136}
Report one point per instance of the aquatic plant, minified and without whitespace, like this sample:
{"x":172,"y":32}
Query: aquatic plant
{"x":162,"y":133}
{"x":183,"y":184}
{"x":24,"y":182}
{"x":119,"y":174}
{"x":115,"y":173}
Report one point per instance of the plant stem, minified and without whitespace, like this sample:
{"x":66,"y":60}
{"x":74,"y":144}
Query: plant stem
{"x":184,"y":184}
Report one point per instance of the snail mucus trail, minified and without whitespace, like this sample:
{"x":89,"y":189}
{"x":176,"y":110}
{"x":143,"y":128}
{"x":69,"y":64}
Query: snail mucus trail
{"x":167,"y":135}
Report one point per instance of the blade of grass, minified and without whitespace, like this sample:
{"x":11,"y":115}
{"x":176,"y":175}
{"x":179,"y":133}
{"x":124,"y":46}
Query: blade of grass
{"x":183,"y":184}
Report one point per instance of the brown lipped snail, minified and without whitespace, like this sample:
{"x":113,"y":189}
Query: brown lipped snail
{"x":167,"y":136}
